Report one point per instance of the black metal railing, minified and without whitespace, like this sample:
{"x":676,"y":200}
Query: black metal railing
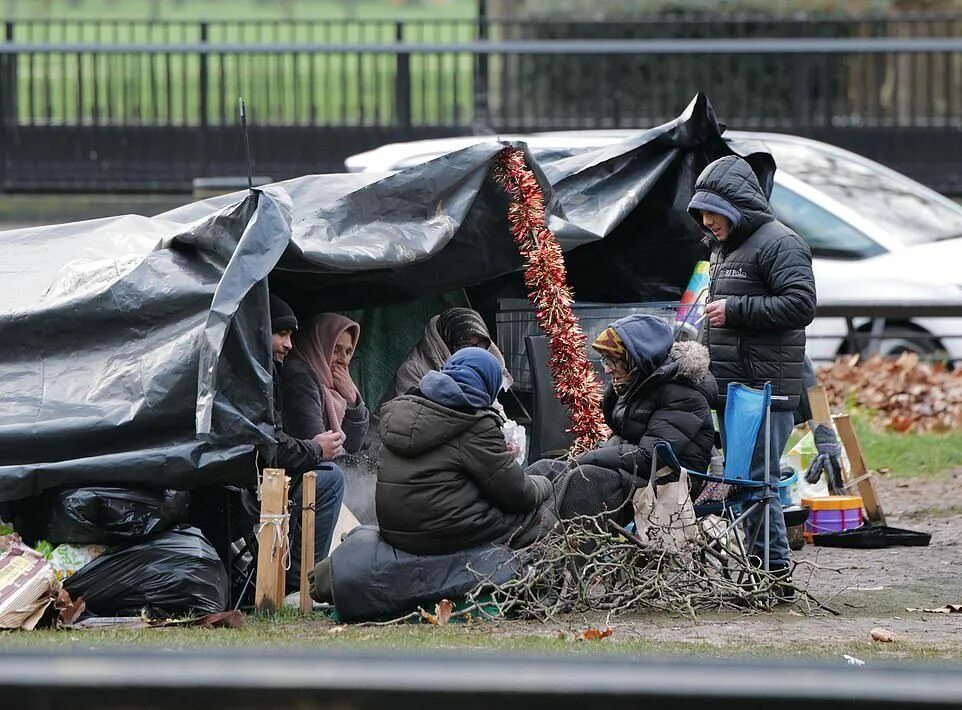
{"x":838,"y":82}
{"x":883,"y":87}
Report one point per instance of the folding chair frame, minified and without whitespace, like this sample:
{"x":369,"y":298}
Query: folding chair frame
{"x":737,"y":522}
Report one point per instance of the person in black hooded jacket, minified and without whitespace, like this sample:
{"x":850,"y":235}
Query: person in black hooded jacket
{"x":659,"y":391}
{"x":761,"y":298}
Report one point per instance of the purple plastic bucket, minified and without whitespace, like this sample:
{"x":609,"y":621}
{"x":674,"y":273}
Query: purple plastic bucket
{"x":827,"y":521}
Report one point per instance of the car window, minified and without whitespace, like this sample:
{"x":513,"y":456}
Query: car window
{"x":827,"y":235}
{"x":902,"y":207}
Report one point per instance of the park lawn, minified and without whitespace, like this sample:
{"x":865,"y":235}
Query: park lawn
{"x":637,"y":636}
{"x":908,"y":454}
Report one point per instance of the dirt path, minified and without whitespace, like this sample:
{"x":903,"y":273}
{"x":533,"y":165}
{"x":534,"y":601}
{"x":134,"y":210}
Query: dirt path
{"x":873,"y":588}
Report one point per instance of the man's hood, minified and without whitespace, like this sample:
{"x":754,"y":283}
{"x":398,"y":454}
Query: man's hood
{"x":412,"y":424}
{"x":732,"y":179}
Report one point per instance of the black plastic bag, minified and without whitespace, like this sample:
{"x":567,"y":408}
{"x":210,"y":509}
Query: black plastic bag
{"x":109,"y":516}
{"x":176,"y":573}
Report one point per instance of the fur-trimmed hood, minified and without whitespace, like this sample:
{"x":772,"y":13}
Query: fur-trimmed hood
{"x":692,"y":359}
{"x":687,"y":363}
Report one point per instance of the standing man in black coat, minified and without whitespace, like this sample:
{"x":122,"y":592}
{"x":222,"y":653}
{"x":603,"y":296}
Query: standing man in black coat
{"x":761,"y":298}
{"x":298,"y":456}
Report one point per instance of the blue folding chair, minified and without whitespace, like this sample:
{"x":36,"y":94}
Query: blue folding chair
{"x":747,"y":414}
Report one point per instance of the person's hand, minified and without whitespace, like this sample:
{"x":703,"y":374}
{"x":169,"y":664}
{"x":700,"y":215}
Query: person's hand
{"x":716,"y":313}
{"x":344,"y":384}
{"x":827,"y":460}
{"x":331,"y":443}
{"x":514,"y":450}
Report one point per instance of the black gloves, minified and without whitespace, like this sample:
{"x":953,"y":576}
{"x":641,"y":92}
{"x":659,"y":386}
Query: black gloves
{"x":827,"y":460}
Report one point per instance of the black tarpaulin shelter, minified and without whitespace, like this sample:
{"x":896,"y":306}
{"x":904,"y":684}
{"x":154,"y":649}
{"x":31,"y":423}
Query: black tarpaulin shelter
{"x":136,"y":351}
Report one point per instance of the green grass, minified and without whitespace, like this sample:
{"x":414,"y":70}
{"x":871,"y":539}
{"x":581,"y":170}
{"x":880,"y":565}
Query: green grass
{"x":909,"y":454}
{"x":291,"y":631}
{"x":903,"y":454}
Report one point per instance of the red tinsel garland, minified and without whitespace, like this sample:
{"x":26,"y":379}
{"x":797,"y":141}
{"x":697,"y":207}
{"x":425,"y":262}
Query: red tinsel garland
{"x":545,"y":277}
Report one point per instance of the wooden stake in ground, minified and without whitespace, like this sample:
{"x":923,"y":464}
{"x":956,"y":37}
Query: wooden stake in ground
{"x":270,"y":542}
{"x":308,"y":491}
{"x":860,"y":474}
{"x":822,"y":415}
{"x":285,"y":542}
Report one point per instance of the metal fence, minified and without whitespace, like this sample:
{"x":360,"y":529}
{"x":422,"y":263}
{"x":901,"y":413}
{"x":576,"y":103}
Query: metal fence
{"x":886,"y":88}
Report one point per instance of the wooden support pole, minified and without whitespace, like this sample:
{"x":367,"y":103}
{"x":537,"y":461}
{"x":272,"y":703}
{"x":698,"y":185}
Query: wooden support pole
{"x":860,"y":474}
{"x":285,"y":543}
{"x":821,"y":409}
{"x":267,"y":595}
{"x":308,"y":492}
{"x":822,"y":414}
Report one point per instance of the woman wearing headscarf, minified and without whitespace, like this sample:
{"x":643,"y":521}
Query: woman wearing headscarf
{"x":444,"y":335}
{"x":446,"y":480}
{"x":319,"y":395}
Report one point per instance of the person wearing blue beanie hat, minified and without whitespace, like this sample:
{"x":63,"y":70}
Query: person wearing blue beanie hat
{"x":446,"y":480}
{"x":469,"y":380}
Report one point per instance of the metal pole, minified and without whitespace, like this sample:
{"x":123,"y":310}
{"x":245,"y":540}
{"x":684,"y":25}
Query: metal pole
{"x":768,"y":477}
{"x":204,"y":88}
{"x":768,"y":483}
{"x":481,"y":75}
{"x":247,"y":144}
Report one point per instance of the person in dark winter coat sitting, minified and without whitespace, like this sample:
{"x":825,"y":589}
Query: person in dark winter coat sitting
{"x":659,"y":391}
{"x":446,"y":480}
{"x":319,"y":395}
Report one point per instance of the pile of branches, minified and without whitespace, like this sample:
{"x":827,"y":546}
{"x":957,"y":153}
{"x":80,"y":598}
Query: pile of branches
{"x":905,"y":394}
{"x":592,"y":564}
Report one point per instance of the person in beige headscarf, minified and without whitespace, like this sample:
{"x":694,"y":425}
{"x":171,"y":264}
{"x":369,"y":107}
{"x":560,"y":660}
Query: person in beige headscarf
{"x":444,"y":335}
{"x":320,"y":397}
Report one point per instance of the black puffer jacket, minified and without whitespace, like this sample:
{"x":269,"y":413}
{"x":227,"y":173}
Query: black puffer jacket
{"x":763,"y":270}
{"x":446,"y":481}
{"x":672,"y":404}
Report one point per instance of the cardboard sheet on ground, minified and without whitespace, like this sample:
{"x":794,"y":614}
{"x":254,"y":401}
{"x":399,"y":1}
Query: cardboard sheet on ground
{"x":135,"y":351}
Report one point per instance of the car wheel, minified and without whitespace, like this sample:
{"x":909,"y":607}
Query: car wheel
{"x":898,"y":338}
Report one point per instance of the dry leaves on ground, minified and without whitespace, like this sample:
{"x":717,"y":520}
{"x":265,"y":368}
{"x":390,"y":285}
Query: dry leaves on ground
{"x":441,"y":615}
{"x":907,"y":393}
{"x":595,"y":634}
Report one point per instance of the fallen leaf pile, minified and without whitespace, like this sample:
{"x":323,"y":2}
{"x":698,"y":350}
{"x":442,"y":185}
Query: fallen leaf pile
{"x":907,"y":394}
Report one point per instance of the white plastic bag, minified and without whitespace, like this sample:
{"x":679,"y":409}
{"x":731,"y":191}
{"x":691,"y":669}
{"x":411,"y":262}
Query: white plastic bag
{"x":515,"y":436}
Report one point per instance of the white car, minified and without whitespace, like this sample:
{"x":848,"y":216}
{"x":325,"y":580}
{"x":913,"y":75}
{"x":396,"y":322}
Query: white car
{"x":876,"y":235}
